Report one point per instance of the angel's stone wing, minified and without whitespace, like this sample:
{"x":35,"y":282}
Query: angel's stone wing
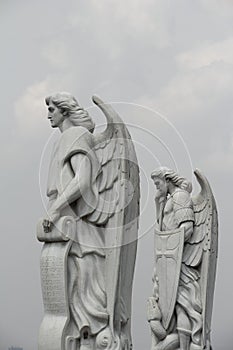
{"x":203,"y":249}
{"x":117,"y":210}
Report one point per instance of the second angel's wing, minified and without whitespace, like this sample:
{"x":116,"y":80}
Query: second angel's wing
{"x":117,"y":209}
{"x":202,"y":248}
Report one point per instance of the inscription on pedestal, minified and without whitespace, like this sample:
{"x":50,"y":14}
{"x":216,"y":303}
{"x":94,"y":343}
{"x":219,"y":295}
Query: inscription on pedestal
{"x":52,"y":275}
{"x":53,"y":270}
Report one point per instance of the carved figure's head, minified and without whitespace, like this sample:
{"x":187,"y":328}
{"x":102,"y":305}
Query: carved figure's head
{"x":63,"y":105}
{"x":163,"y":176}
{"x":161,"y":186}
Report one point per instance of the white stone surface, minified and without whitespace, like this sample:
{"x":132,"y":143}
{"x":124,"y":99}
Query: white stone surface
{"x":186,"y":239}
{"x":90,"y":232}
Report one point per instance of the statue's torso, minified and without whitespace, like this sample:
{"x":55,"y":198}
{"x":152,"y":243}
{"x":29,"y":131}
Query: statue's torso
{"x":178,"y":208}
{"x":168,"y":217}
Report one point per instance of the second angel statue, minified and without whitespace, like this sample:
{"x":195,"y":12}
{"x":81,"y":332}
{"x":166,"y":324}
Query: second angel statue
{"x":90,"y":232}
{"x":179,"y":312}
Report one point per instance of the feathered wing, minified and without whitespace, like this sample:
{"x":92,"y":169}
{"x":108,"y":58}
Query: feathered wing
{"x":117,"y":210}
{"x":202,"y":248}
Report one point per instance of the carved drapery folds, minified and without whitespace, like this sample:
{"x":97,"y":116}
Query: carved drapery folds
{"x":186,"y":239}
{"x":90,"y":234}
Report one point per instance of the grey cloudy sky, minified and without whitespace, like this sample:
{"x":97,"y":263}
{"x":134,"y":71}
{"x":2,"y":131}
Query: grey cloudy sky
{"x":167,"y":65}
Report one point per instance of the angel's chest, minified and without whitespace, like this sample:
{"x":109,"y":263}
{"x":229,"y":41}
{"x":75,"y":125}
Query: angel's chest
{"x":60,"y":172}
{"x":169,"y":220}
{"x":168,"y":208}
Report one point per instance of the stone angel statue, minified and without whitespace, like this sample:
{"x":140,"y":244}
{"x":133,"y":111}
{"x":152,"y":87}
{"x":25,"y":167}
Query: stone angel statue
{"x":186,"y":240}
{"x":90,"y":232}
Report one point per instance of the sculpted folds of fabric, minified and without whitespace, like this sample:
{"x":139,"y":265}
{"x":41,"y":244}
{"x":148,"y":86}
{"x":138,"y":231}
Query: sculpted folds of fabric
{"x":90,"y":235}
{"x":180,"y":309}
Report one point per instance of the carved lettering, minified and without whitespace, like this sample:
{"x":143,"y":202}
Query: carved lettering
{"x":53,"y":277}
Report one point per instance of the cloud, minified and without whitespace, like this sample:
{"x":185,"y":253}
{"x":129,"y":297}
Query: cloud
{"x":221,"y":51}
{"x":147,"y":22}
{"x":220,"y":162}
{"x":30,"y":109}
{"x":197,"y":93}
{"x":197,"y":100}
{"x":55,"y":52}
{"x":221,"y":8}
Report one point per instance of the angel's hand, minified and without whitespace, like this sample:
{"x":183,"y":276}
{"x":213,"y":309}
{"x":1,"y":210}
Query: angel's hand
{"x":159,"y":197}
{"x":47,"y":225}
{"x":53,"y":216}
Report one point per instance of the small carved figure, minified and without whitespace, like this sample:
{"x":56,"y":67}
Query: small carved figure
{"x":186,"y":234}
{"x":90,"y":233}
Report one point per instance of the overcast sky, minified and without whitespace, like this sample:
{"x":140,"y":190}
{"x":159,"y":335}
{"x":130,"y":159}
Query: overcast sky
{"x":167,"y":67}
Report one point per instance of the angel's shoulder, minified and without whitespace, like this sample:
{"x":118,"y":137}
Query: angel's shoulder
{"x":75,"y":135}
{"x":181,"y":197}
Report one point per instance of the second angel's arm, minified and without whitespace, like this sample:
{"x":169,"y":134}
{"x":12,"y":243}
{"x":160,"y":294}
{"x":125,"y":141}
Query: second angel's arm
{"x":188,"y":229}
{"x":184,"y":212}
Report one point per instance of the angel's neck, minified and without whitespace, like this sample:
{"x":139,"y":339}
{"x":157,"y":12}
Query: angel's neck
{"x":172,"y":188}
{"x":66,"y":124}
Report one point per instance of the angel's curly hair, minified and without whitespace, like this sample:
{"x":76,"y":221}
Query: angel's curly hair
{"x":171,"y":175}
{"x":69,"y":106}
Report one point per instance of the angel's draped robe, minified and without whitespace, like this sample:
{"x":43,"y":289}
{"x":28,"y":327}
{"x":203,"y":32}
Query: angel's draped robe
{"x":179,"y":209}
{"x":86,"y":260}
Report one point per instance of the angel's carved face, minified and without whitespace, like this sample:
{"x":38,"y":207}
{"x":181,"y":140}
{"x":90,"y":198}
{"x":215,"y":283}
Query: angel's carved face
{"x":55,"y":115}
{"x":161,"y":186}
